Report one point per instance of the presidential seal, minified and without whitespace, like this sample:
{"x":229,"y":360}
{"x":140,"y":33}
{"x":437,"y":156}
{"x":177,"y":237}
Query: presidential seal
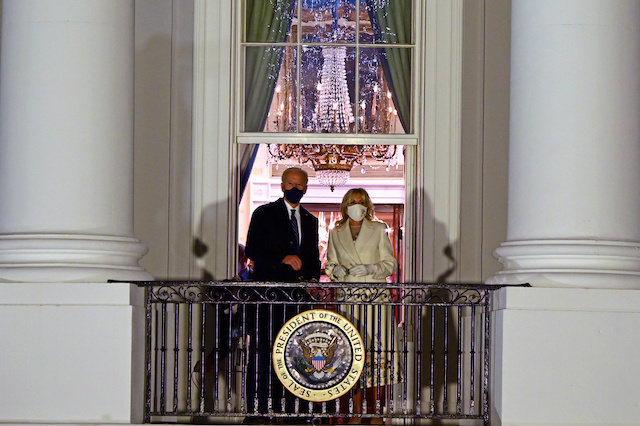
{"x":318,"y":355}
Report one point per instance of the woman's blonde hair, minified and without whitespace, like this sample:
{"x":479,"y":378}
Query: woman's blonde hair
{"x":345,"y":200}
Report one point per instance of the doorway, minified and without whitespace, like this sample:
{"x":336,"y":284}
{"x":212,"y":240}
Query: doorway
{"x":386,"y":187}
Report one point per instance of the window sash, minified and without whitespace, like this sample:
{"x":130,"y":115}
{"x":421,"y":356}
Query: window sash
{"x":407,"y":103}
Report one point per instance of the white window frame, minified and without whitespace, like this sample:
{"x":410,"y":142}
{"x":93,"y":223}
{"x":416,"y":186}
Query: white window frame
{"x":312,"y":138}
{"x":433,"y":151}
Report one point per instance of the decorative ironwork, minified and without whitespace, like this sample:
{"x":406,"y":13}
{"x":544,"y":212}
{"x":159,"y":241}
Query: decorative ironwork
{"x":334,"y":293}
{"x":212,"y":332}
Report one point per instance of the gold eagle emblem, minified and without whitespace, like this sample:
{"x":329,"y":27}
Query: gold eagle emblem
{"x":318,"y":350}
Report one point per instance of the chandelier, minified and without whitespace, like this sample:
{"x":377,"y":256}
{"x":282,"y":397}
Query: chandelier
{"x":333,"y":163}
{"x":334,"y":112}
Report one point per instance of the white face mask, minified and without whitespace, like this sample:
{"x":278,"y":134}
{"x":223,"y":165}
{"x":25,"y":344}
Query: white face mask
{"x":356,"y":212}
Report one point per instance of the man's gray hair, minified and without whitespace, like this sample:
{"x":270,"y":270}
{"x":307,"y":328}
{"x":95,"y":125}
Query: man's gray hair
{"x":295,"y":169}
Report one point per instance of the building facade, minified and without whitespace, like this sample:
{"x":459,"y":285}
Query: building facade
{"x":118,"y":137}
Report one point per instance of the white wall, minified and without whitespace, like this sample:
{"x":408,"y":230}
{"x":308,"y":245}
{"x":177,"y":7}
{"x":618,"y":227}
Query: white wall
{"x":485,"y":135}
{"x":163,"y":212}
{"x":565,"y":356}
{"x":71,"y":353}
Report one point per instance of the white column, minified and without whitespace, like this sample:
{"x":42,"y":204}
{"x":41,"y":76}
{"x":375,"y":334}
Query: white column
{"x":574,"y":169}
{"x":75,"y":353}
{"x":66,"y":142}
{"x":573,"y":220}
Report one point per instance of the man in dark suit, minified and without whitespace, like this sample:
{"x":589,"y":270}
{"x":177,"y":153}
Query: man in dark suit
{"x":279,"y":254}
{"x":284,"y":248}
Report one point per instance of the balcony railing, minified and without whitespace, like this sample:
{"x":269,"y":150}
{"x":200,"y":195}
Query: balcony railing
{"x":426,"y":352}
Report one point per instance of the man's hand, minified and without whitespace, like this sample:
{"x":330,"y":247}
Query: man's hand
{"x":339,"y":272}
{"x":293,"y":261}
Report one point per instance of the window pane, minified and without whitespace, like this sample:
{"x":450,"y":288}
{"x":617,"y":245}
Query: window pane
{"x":310,"y":75}
{"x":269,"y":21}
{"x":328,"y":21}
{"x":282,"y":115}
{"x":381,"y":103}
{"x":268,"y":108}
{"x":327,"y":88}
{"x":365,"y":25}
{"x":385,"y":21}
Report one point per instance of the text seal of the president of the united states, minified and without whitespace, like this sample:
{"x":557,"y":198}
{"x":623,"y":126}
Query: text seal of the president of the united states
{"x":318,"y":355}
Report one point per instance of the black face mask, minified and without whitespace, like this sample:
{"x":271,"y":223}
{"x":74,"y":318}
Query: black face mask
{"x":293,"y":195}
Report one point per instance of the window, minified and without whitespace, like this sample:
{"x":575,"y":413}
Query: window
{"x":226,"y":148}
{"x":326,"y":75}
{"x":328,"y":66}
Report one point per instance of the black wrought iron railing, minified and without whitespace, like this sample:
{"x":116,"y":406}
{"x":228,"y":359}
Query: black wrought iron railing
{"x":210,"y":357}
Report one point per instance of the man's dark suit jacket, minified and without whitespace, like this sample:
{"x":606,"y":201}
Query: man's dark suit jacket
{"x":271,"y":238}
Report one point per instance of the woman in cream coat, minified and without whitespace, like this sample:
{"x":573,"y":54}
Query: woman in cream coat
{"x":359,"y":251}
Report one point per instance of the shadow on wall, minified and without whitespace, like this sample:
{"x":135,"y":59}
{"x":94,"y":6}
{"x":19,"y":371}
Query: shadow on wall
{"x":211,"y":262}
{"x":448,"y":253}
{"x":215,"y":223}
{"x":439,"y":325}
{"x":200,"y":249}
{"x":163,"y":139}
{"x":438,"y":262}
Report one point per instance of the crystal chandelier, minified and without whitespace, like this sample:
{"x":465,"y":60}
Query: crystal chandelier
{"x":332,"y":163}
{"x":334,"y":112}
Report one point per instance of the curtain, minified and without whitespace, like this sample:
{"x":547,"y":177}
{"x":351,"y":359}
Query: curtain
{"x":268,"y":21}
{"x":391,"y":22}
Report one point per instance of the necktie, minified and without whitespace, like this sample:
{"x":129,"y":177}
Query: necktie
{"x":294,"y":225}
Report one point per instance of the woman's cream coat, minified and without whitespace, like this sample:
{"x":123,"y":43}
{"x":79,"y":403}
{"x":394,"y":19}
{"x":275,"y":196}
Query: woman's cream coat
{"x":372,"y":247}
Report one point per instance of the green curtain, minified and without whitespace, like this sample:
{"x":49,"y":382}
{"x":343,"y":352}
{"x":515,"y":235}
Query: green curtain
{"x":268,"y":21}
{"x":392,"y":25}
